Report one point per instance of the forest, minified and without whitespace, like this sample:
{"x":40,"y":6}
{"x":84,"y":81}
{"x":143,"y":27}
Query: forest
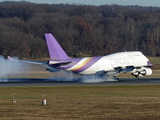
{"x":82,"y":30}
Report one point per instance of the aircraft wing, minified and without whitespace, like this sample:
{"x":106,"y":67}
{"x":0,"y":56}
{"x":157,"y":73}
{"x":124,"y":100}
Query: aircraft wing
{"x":136,"y":71}
{"x":48,"y":65}
{"x":116,"y":71}
{"x":33,"y":62}
{"x":29,"y":61}
{"x":126,"y":69}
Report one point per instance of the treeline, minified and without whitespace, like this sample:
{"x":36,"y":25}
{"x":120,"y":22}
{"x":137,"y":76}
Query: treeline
{"x":82,"y":30}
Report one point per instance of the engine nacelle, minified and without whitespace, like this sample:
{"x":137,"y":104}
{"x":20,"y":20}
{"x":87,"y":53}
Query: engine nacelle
{"x":141,"y":72}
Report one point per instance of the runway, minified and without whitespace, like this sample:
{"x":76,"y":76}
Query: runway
{"x":19,"y":82}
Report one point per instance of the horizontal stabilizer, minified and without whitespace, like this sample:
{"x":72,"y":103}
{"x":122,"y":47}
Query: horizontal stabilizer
{"x":58,"y":63}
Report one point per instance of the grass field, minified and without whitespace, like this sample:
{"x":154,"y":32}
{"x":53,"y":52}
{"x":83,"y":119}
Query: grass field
{"x":82,"y":103}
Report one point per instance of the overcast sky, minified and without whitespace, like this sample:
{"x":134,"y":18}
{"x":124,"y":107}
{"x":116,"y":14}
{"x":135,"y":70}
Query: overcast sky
{"x":99,"y":2}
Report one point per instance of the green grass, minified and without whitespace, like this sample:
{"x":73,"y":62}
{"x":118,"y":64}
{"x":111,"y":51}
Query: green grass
{"x":86,"y":102}
{"x":155,"y":61}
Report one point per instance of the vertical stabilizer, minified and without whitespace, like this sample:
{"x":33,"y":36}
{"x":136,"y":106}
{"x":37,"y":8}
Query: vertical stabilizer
{"x":55,"y":50}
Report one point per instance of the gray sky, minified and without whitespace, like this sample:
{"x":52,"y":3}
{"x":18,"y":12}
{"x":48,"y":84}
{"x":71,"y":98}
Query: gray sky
{"x":100,"y":2}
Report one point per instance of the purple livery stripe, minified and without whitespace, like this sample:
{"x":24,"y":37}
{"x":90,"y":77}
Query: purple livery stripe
{"x":82,"y":64}
{"x":86,"y":64}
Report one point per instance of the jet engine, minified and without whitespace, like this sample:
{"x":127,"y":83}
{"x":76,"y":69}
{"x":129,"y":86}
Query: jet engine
{"x":141,"y":72}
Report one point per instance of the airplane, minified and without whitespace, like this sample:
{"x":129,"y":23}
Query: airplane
{"x":104,"y":66}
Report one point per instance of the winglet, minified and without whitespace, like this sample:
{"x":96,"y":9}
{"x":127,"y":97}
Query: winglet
{"x":55,"y":50}
{"x":10,"y":58}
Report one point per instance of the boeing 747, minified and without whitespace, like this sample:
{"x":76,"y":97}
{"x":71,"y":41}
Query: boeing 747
{"x":105,"y":66}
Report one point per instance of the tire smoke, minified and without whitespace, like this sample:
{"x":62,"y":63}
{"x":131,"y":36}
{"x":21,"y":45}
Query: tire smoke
{"x":8,"y":67}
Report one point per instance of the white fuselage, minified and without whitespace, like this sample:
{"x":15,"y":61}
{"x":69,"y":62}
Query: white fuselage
{"x":113,"y":61}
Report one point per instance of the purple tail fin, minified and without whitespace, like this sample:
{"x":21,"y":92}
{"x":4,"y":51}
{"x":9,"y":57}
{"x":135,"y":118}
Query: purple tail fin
{"x":55,"y":50}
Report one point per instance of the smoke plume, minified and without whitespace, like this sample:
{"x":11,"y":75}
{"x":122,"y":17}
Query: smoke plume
{"x":8,"y":67}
